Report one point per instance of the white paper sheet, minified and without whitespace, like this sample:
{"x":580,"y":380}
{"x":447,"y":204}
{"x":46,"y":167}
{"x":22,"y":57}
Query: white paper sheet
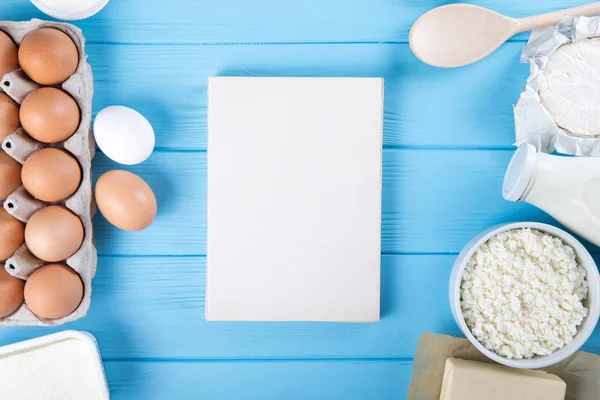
{"x":294,"y":199}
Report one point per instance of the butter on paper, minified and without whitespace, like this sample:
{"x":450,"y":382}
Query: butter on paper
{"x":581,"y":371}
{"x":533,"y":123}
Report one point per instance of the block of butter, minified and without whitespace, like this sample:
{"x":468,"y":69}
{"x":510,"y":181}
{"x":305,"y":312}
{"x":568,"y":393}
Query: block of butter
{"x":472,"y":380}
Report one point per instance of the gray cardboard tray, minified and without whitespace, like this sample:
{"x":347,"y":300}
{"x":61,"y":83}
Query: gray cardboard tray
{"x":19,"y":146}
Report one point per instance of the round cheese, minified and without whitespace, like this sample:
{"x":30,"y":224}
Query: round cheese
{"x":570,"y":87}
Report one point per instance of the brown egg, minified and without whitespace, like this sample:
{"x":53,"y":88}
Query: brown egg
{"x":9,"y":116}
{"x":11,"y":293}
{"x":54,"y":233}
{"x":49,"y":115}
{"x":9,"y":60}
{"x":11,"y":234}
{"x":53,"y":291}
{"x":51,"y":174}
{"x":48,"y":56}
{"x":10,"y":175}
{"x":125,"y":200}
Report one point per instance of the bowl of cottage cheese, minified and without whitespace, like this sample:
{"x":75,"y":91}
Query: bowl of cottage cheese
{"x":526,"y":294}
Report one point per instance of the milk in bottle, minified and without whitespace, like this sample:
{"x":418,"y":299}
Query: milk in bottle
{"x":568,"y":188}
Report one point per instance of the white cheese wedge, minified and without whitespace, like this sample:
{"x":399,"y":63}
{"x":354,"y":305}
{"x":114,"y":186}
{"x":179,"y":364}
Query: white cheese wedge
{"x":570,"y":87}
{"x":471,"y":380}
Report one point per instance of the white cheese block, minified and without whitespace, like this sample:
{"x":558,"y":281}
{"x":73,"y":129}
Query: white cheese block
{"x":472,"y":380}
{"x":61,"y":366}
{"x":570,"y":87}
{"x":294,"y":199}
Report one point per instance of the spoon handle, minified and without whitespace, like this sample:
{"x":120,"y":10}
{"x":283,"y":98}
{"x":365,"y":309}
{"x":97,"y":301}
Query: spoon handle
{"x":542,"y":20}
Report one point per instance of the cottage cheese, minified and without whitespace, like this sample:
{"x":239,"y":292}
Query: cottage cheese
{"x":522,"y":292}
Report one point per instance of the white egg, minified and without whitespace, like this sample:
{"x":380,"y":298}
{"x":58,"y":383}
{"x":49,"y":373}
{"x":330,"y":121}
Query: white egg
{"x":124,"y":135}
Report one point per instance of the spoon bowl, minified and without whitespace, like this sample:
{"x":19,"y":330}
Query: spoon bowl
{"x":437,"y":39}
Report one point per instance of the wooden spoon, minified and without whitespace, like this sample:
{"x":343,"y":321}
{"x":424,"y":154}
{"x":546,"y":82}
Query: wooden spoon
{"x":459,"y":34}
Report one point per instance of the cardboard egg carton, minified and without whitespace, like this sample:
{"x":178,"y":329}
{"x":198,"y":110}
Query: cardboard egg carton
{"x":19,"y":146}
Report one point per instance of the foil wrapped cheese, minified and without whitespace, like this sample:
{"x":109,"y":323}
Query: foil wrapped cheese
{"x":557,"y":109}
{"x":570,"y":88}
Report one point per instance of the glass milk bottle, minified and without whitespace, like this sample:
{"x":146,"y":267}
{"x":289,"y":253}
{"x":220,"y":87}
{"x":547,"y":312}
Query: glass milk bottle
{"x":568,"y":188}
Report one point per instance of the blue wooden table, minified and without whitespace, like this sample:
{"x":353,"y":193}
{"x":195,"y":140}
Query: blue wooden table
{"x":447,"y":142}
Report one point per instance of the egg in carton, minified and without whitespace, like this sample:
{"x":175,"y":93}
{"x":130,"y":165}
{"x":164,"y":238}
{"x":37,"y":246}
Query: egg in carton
{"x":19,"y":145}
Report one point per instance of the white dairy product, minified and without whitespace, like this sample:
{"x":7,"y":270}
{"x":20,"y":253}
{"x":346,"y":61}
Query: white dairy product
{"x":472,"y":380}
{"x":568,"y":188}
{"x":522,"y":292}
{"x":63,"y":370}
{"x":570,"y":87}
{"x":70,"y":6}
{"x":556,"y":109}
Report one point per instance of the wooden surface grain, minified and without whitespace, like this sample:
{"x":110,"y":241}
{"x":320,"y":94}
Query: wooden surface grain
{"x":152,"y":308}
{"x":472,"y":105}
{"x":447,"y":140}
{"x":263,"y":379}
{"x":267,"y":21}
{"x":433,"y":202}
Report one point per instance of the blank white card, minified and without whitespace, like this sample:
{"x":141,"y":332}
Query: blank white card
{"x":294,"y":199}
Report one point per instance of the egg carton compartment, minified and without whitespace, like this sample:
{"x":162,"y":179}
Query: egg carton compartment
{"x":19,"y":145}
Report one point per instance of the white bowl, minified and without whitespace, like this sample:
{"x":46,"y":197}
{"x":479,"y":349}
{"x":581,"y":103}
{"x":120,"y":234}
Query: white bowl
{"x":94,"y":8}
{"x":592,"y":302}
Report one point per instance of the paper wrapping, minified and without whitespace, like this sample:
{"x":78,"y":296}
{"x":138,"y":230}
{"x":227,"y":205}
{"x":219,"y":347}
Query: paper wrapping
{"x":581,"y":371}
{"x":533,"y":123}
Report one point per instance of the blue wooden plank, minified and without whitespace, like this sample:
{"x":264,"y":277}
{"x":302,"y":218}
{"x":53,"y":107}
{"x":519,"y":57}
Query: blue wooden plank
{"x":436,"y":201}
{"x":146,"y":307}
{"x":179,"y":183}
{"x":153,"y":308}
{"x":240,"y":21}
{"x":315,"y":380}
{"x":433,"y":202}
{"x":424,"y":106}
